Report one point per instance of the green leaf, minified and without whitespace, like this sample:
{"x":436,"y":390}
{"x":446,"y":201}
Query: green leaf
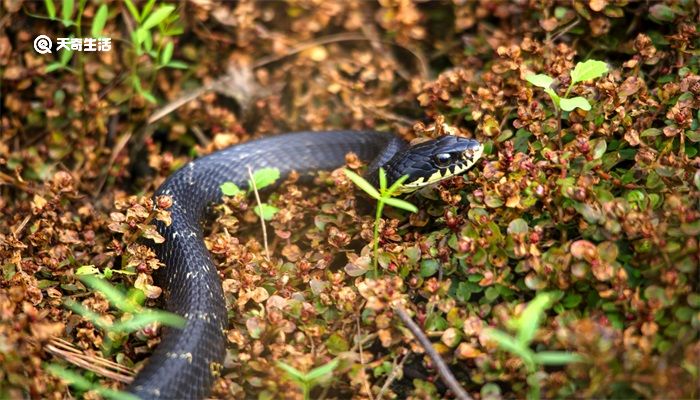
{"x":265,"y":177}
{"x":148,"y":43}
{"x":50,"y":8}
{"x":268,"y":211}
{"x":133,"y":10}
{"x":693,"y":136}
{"x":66,"y":55}
{"x":382,"y":180}
{"x":322,"y":371}
{"x":599,"y":148}
{"x":662,"y":13}
{"x":650,"y":132}
{"x":553,"y":95}
{"x":120,"y":271}
{"x":337,"y":344}
{"x":684,"y":314}
{"x":230,"y":189}
{"x":87,"y":270}
{"x":143,"y":319}
{"x":157,"y":17}
{"x":362,"y":184}
{"x":508,"y":343}
{"x":428,"y":268}
{"x":540,"y":80}
{"x":140,"y":35}
{"x":67,"y":11}
{"x":147,"y":8}
{"x":572,"y":300}
{"x":573,"y":103}
{"x":69,"y":376}
{"x":529,"y":320}
{"x":98,"y":23}
{"x":517,"y":226}
{"x":402,"y":204}
{"x":53,"y":67}
{"x":396,"y":185}
{"x":82,"y":384}
{"x":177,"y":64}
{"x":88,"y":314}
{"x":556,"y":358}
{"x":148,"y":96}
{"x":694,"y":300}
{"x":292,"y":372}
{"x":560,"y":12}
{"x":167,"y":53}
{"x":588,"y":70}
{"x":113,"y":295}
{"x":505,"y":135}
{"x":521,"y":140}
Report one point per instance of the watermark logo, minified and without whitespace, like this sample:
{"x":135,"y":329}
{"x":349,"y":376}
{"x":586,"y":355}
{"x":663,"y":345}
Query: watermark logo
{"x":42,"y":44}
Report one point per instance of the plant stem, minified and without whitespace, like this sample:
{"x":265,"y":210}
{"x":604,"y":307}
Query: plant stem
{"x":533,"y":392}
{"x":566,"y":95}
{"x":262,"y":218}
{"x":377,"y":221}
{"x":559,"y":127}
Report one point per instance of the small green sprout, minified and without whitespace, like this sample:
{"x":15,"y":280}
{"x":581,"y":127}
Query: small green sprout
{"x":583,"y":71}
{"x":143,"y":40}
{"x":383,"y":196}
{"x":525,"y":328}
{"x":307,"y":381}
{"x":263,"y":178}
{"x":80,"y":383}
{"x":159,"y":47}
{"x":135,"y":317}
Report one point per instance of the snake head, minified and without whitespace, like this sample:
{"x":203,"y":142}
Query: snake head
{"x":432,"y":161}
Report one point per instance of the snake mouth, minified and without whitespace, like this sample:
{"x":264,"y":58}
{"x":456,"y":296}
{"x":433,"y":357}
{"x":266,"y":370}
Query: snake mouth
{"x":436,"y":160}
{"x":472,"y":155}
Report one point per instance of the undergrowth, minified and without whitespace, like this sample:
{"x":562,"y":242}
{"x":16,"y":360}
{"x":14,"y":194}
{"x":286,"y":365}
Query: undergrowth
{"x":592,"y":198}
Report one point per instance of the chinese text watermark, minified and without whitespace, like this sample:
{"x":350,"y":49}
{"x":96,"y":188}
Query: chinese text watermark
{"x":43,"y":44}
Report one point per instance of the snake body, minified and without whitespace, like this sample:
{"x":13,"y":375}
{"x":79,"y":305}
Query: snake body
{"x":186,"y":362}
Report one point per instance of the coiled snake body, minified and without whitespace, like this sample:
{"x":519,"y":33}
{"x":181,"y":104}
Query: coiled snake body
{"x":186,"y":362}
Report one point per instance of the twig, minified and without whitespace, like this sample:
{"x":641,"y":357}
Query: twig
{"x":445,"y":373}
{"x":21,"y":226}
{"x":18,"y":183}
{"x":340,"y":37}
{"x":389,"y":116}
{"x":118,"y":147}
{"x":372,"y":34}
{"x":223,"y":80}
{"x":396,"y":367}
{"x":368,"y":389}
{"x":565,"y":29}
{"x":200,"y":135}
{"x":262,"y":220}
{"x":180,"y":101}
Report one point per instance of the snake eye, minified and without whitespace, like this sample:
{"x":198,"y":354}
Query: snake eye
{"x":442,"y":159}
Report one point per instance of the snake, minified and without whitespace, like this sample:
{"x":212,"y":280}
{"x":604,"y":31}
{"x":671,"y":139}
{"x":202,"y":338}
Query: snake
{"x":187,"y":360}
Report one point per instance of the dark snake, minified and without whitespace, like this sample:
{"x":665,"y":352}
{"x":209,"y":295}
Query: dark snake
{"x":187,"y":361}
